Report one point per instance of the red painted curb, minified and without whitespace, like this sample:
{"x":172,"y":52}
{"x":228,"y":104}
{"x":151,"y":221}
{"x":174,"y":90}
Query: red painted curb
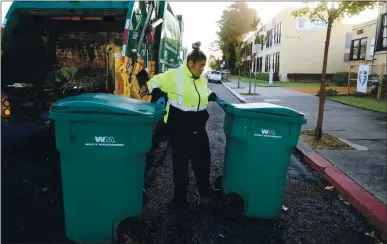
{"x":362,"y":200}
{"x":317,"y":162}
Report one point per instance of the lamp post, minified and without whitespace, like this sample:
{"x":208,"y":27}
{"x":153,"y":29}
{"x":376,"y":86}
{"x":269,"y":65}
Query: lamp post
{"x":272,"y":54}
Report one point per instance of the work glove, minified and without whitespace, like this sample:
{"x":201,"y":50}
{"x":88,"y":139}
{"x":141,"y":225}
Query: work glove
{"x":161,"y":100}
{"x":219,"y":100}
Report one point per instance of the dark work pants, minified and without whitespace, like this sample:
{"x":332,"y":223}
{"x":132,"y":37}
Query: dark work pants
{"x":190,"y":146}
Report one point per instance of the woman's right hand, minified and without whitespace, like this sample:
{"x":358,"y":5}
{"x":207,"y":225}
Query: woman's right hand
{"x":161,"y":100}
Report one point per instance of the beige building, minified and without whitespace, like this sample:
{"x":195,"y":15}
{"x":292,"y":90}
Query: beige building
{"x":298,"y":46}
{"x":369,"y":41}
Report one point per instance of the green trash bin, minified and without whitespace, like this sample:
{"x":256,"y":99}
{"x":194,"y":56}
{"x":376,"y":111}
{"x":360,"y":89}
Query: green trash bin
{"x":102,"y":140}
{"x":260,"y":138}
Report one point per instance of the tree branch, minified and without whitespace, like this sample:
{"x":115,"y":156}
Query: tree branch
{"x":321,"y":17}
{"x":339,"y":12}
{"x":329,"y":12}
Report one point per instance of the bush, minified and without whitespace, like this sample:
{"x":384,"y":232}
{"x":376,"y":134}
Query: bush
{"x":330,"y":92}
{"x":264,"y":76}
{"x":307,"y":77}
{"x":341,"y":78}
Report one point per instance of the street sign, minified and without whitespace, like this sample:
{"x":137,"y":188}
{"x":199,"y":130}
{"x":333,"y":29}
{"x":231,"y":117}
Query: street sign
{"x":256,"y":48}
{"x":372,"y":48}
{"x":304,"y":23}
{"x":362,"y":78}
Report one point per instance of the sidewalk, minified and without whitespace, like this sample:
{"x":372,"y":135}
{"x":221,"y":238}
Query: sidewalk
{"x":361,"y":174}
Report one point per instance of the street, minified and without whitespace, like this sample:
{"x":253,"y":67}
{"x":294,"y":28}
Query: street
{"x":32,"y":209}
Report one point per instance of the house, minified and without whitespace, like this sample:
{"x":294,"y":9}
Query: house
{"x":381,"y":37}
{"x":369,"y":40}
{"x":297,"y":46}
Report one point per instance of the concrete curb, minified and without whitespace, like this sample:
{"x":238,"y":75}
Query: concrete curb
{"x":368,"y":205}
{"x":237,"y":95}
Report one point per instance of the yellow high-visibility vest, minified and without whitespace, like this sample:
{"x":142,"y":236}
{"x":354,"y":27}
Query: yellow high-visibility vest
{"x":183,"y":91}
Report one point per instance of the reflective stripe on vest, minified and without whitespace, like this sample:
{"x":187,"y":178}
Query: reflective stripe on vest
{"x":180,"y":85}
{"x":187,"y":109}
{"x":150,"y":89}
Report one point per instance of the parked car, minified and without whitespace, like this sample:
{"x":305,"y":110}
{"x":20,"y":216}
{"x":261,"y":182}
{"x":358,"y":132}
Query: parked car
{"x":215,"y":76}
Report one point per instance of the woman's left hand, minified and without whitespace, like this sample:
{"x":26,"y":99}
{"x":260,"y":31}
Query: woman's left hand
{"x":219,"y":100}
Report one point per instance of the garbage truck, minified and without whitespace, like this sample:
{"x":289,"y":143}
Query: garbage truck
{"x":54,"y":49}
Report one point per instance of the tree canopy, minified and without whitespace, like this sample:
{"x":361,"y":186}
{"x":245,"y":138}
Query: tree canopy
{"x":236,"y":21}
{"x":214,"y":64}
{"x":337,"y":10}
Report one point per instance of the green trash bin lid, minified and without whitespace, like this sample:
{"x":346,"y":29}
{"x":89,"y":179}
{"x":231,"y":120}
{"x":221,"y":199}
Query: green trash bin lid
{"x":249,"y":109}
{"x":101,"y":103}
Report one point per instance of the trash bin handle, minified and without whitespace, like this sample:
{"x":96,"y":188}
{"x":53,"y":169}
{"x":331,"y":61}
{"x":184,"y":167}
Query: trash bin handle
{"x":248,"y":126}
{"x":67,"y":131}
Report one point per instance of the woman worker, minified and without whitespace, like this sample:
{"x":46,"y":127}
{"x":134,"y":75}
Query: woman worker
{"x":186,"y":118}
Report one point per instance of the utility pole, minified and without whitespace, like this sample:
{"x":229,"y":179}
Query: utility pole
{"x":272,"y":54}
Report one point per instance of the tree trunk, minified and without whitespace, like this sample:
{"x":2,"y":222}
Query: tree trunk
{"x":318,"y":130}
{"x":239,"y":75}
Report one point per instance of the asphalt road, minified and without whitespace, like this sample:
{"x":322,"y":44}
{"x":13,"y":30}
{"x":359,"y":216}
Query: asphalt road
{"x":32,"y":209}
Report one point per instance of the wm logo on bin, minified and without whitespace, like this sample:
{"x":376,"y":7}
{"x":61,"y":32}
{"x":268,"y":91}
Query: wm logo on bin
{"x":268,"y":132}
{"x":105,"y":139}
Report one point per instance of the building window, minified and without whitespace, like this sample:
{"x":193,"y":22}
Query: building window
{"x":260,"y":64}
{"x":268,"y":60}
{"x":278,"y":33}
{"x":346,"y":57}
{"x":276,"y":62}
{"x":262,"y":41}
{"x":382,"y":33}
{"x":269,"y":40}
{"x":358,"y":49}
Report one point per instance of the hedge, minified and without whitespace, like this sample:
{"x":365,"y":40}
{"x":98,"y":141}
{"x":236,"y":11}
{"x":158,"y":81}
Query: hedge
{"x":264,"y":76}
{"x":341,"y":78}
{"x":307,"y":76}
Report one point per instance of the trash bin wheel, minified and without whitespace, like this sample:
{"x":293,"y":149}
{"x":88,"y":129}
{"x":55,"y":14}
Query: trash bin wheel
{"x":131,"y":230}
{"x":233,"y":205}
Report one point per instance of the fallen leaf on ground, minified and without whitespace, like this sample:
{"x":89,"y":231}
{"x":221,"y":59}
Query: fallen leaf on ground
{"x":372,"y":234}
{"x":347,"y":203}
{"x":330,"y":188}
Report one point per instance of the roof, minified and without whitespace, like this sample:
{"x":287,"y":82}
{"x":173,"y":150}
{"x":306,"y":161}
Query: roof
{"x":364,"y":24}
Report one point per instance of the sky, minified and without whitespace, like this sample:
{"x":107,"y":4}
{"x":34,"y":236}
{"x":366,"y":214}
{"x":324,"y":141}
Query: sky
{"x":200,"y":18}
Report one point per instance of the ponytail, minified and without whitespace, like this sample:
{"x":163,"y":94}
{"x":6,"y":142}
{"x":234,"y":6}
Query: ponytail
{"x":196,"y":55}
